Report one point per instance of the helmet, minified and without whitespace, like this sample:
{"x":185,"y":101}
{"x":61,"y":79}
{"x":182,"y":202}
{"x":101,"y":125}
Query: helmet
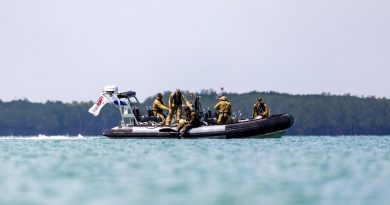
{"x":223,"y":98}
{"x":159,"y":95}
{"x":259,"y":99}
{"x":178,"y":91}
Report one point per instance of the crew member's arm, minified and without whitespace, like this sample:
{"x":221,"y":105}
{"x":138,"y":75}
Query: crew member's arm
{"x":170,"y":101}
{"x":217,"y":106}
{"x":266,"y":111}
{"x":185,"y":101}
{"x":161,"y":106}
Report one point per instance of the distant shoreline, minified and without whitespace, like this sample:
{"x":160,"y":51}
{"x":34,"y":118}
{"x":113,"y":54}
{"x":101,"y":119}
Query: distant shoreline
{"x":210,"y":91}
{"x":319,"y":115}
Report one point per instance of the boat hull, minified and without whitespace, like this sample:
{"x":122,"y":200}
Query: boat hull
{"x":270,"y":127}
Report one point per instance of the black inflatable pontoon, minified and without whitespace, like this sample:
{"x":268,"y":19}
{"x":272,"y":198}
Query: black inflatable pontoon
{"x":273,"y":126}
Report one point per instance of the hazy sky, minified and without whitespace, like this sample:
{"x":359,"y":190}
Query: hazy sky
{"x":69,"y":49}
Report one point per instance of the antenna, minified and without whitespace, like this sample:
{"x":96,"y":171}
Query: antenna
{"x":221,"y":92}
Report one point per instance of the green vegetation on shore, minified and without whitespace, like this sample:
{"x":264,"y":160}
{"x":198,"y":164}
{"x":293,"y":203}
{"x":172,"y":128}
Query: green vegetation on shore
{"x":323,"y":114}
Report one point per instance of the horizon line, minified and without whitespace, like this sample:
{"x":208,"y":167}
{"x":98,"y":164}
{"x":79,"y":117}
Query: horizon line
{"x":210,"y":91}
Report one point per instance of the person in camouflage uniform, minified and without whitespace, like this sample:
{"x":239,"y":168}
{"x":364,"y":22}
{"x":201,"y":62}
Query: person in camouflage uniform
{"x":176,"y":101}
{"x":191,"y":121}
{"x":158,"y":107}
{"x":260,"y":109}
{"x":224,"y":110}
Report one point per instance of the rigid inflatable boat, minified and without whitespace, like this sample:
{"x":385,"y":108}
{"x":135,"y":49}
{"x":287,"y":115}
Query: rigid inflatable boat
{"x":135,"y":125}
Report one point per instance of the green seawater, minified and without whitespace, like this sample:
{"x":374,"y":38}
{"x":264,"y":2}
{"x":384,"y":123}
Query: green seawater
{"x":290,"y":170}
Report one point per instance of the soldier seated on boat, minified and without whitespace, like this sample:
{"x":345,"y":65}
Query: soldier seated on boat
{"x":260,"y":109}
{"x":176,"y":100}
{"x":158,"y":107}
{"x":191,"y":121}
{"x":224,"y":109}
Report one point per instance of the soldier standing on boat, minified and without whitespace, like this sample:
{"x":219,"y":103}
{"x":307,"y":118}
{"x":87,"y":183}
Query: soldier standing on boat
{"x":158,"y":107}
{"x":224,"y":110}
{"x":176,"y":100}
{"x":260,"y":109}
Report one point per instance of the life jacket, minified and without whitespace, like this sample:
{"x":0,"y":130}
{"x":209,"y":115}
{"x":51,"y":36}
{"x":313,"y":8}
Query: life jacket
{"x":259,"y":109}
{"x":177,"y":99}
{"x":224,"y":107}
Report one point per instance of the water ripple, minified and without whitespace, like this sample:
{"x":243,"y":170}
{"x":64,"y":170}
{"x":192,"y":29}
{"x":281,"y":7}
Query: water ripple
{"x":290,"y":170}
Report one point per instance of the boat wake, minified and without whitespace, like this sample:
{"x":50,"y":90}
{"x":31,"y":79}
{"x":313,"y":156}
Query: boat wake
{"x":44,"y":137}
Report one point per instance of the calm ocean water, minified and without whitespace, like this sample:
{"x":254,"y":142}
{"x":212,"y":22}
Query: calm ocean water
{"x":291,"y":170}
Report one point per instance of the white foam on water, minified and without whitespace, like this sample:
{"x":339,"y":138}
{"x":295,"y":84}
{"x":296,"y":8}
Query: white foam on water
{"x":43,"y":137}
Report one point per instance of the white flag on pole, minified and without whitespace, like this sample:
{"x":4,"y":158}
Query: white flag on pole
{"x":95,"y":109}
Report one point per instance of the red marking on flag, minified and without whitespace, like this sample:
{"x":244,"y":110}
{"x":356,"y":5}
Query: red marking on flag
{"x":99,"y":101}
